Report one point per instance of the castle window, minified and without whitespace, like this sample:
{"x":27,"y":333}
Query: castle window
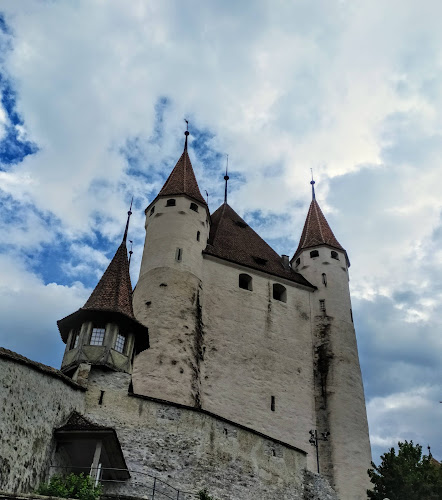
{"x":351,"y":315}
{"x":245,"y":282}
{"x":322,"y":305}
{"x":279,"y":292}
{"x":75,"y":338}
{"x":260,"y":260}
{"x":314,"y":253}
{"x":152,"y":210}
{"x":97,"y":336}
{"x":170,"y":203}
{"x":120,"y":343}
{"x":198,"y":234}
{"x":179,"y":254}
{"x":324,"y":279}
{"x":272,"y":403}
{"x":298,"y":261}
{"x":334,"y":255}
{"x":194,"y":207}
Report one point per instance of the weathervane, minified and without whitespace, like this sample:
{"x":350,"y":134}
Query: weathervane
{"x":226,"y":178}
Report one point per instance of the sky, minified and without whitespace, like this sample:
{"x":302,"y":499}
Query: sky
{"x":93,"y":100}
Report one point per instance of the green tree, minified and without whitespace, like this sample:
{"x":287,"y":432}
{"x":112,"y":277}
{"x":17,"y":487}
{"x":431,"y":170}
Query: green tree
{"x":406,"y":475}
{"x":77,"y":486}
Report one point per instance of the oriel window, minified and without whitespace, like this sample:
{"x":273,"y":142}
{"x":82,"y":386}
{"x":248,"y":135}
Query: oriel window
{"x":97,"y":336}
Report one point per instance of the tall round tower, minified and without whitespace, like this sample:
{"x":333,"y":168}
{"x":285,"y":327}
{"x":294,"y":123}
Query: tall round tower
{"x":167,"y":296}
{"x":339,"y":394}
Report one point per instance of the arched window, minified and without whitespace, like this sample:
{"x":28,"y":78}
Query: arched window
{"x":279,"y":292}
{"x":198,"y":234}
{"x":245,"y":282}
{"x":334,"y":255}
{"x":194,"y":207}
{"x":170,"y":203}
{"x":314,"y":253}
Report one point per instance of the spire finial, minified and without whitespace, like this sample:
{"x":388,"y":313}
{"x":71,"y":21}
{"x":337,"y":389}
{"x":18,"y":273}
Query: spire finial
{"x":128,"y":218}
{"x":130,"y":251}
{"x":312,"y":182}
{"x":186,"y":133}
{"x":226,"y":178}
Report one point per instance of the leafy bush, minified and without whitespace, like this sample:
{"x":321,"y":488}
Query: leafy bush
{"x":72,"y":486}
{"x":203,"y":495}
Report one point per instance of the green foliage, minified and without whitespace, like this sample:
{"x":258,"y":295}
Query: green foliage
{"x":72,"y":486}
{"x":203,"y":495}
{"x":407,"y":475}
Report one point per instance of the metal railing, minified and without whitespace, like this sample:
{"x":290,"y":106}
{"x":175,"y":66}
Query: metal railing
{"x":149,"y":484}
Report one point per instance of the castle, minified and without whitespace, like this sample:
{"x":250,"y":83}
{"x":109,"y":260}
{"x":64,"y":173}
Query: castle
{"x":221,"y":368}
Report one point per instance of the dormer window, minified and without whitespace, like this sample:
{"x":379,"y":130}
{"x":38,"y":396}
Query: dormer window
{"x":152,"y":210}
{"x":279,"y":292}
{"x":120,"y":343}
{"x":171,"y":202}
{"x":314,"y":253}
{"x":245,"y":282}
{"x":97,"y":335}
{"x":260,"y":261}
{"x":194,"y":207}
{"x":334,"y":255}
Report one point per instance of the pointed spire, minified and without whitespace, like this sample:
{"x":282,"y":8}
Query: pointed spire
{"x":182,"y":179}
{"x":226,"y":178}
{"x":114,"y":290}
{"x":127,"y":223}
{"x":316,"y":229}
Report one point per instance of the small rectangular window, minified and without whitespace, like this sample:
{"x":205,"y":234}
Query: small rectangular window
{"x":97,"y":336}
{"x":334,"y":255}
{"x":179,"y":254}
{"x":194,"y":207}
{"x":75,"y":338}
{"x":272,"y":403}
{"x":198,"y":234}
{"x":314,"y":253}
{"x":170,"y":203}
{"x":120,"y":343}
{"x":322,"y":305}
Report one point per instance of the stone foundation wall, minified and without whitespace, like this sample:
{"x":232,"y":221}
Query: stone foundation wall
{"x":34,"y":399}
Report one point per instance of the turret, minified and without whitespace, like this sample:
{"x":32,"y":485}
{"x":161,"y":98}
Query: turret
{"x":104,"y":332}
{"x":339,"y":395}
{"x":167,"y":296}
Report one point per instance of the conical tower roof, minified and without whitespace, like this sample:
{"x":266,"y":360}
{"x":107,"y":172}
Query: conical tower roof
{"x":182,"y":180}
{"x":114,"y":290}
{"x":317,"y":231}
{"x":234,"y":240}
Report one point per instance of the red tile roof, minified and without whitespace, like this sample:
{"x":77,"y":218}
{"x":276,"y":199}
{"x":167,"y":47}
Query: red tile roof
{"x":114,"y":290}
{"x":316,"y":231}
{"x":233,"y":240}
{"x":182,"y":180}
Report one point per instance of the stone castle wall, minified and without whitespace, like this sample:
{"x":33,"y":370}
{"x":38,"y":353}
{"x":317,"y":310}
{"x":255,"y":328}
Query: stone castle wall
{"x":34,"y":399}
{"x":192,"y":449}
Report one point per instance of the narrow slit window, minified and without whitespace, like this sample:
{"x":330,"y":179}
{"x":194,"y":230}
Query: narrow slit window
{"x":245,"y":282}
{"x":298,"y":261}
{"x":179,"y":254}
{"x":324,"y":279}
{"x":322,"y":305}
{"x":314,"y":253}
{"x":279,"y":292}
{"x":198,"y":234}
{"x":351,"y":315}
{"x":97,"y":336}
{"x":334,"y":255}
{"x":152,"y":211}
{"x":120,"y":343}
{"x":272,"y":403}
{"x":171,"y":203}
{"x":194,"y":207}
